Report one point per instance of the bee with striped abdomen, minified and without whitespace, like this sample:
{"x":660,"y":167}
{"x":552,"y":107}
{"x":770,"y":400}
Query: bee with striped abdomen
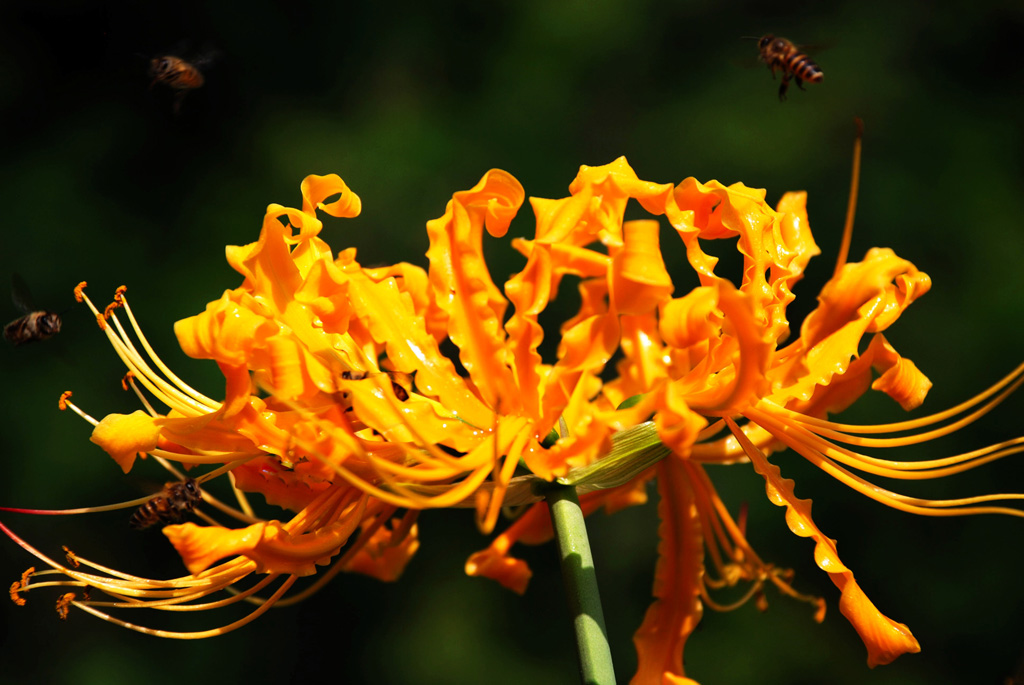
{"x":170,"y":506}
{"x":36,"y":324}
{"x":779,"y":53}
{"x":178,"y":74}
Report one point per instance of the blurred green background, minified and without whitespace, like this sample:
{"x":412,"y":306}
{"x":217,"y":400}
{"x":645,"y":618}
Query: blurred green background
{"x":410,"y":102}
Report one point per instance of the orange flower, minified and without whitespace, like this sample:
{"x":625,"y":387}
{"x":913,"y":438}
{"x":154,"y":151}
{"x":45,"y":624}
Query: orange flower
{"x":714,"y":359}
{"x":343,"y":405}
{"x":340,"y":404}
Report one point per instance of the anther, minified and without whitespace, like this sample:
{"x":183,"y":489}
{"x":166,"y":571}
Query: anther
{"x":79,"y":294}
{"x":62,"y":403}
{"x":64,"y":604}
{"x":20,"y":586}
{"x":71,"y":557}
{"x":15,"y":597}
{"x":119,"y":294}
{"x":127,"y":379}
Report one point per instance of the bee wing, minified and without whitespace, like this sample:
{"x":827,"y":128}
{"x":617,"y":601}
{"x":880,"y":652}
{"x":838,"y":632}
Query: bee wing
{"x":207,"y":58}
{"x":815,"y":48}
{"x":21,"y":295}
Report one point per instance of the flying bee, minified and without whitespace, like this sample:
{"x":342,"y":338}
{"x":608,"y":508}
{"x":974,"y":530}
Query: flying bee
{"x":170,"y":506}
{"x":779,"y":53}
{"x":36,"y":324}
{"x":178,"y":74}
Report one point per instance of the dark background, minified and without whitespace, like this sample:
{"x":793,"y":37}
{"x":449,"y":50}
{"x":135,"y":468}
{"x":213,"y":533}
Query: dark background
{"x":100,"y":181}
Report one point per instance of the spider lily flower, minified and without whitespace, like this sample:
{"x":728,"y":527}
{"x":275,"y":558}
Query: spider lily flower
{"x":342,"y":407}
{"x":339,"y":405}
{"x":714,"y":370}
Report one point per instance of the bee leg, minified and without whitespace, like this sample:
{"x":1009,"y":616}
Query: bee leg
{"x":799,"y":82}
{"x":783,"y":86}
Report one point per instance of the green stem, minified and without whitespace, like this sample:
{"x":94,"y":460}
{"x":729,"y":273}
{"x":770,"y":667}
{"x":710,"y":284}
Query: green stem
{"x":581,"y":586}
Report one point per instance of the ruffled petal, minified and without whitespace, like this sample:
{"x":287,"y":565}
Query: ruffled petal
{"x":677,"y":580}
{"x":884,"y":638}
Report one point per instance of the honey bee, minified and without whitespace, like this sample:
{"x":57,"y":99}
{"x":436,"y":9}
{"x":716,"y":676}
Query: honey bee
{"x":170,"y":506}
{"x":779,"y":53}
{"x":35,"y":325}
{"x":178,"y":74}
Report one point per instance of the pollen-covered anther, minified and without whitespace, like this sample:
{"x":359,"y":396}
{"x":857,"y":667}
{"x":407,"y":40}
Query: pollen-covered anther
{"x":109,"y":310}
{"x":119,"y":294}
{"x":19,"y":586}
{"x":64,"y":604}
{"x":62,"y":403}
{"x":71,"y":557}
{"x":127,"y":379}
{"x":79,"y":294}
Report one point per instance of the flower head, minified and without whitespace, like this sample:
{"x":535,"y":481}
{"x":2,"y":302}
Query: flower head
{"x":357,"y":397}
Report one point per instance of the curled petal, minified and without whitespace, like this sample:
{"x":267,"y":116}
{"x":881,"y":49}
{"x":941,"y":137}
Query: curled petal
{"x":794,"y":238}
{"x":268,"y":543}
{"x":644,"y":359}
{"x":287,"y":371}
{"x":384,"y":558}
{"x":315,"y":189}
{"x":227,"y":331}
{"x":900,"y":379}
{"x":735,"y":373}
{"x":790,"y":247}
{"x":125,"y":435}
{"x":533,"y":527}
{"x":589,"y":344}
{"x":875,"y":290}
{"x":639,"y":280}
{"x":529,"y":291}
{"x":691,"y":320}
{"x":596,"y":205}
{"x":496,"y":564}
{"x":678,"y":425}
{"x":462,"y":284}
